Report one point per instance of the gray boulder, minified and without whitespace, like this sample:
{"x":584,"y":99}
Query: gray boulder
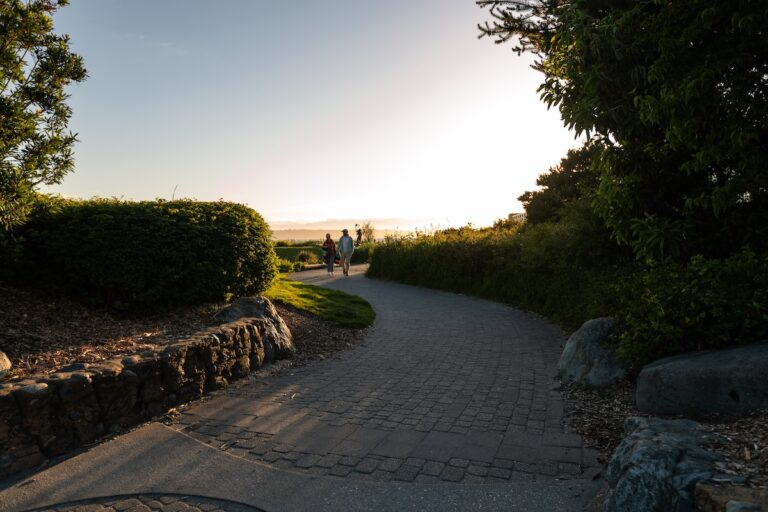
{"x":733,"y":380}
{"x":5,"y":364}
{"x":587,"y":359}
{"x":274,"y":330}
{"x":657,"y":466}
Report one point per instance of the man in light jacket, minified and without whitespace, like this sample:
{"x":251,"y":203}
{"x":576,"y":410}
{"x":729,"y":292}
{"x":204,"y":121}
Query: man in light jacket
{"x":346,"y":247}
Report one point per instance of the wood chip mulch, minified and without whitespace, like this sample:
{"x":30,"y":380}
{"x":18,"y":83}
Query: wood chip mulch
{"x":599,"y":414}
{"x":41,"y":333}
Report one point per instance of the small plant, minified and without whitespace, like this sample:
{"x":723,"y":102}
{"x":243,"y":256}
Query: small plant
{"x":284,"y":266}
{"x":307,"y":257}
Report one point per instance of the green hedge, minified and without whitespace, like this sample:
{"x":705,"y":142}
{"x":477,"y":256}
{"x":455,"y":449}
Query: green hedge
{"x":146,"y":255}
{"x":704,"y":304}
{"x":540,"y":270}
{"x":363,"y":253}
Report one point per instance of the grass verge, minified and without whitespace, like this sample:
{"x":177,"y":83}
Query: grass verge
{"x":337,"y":307}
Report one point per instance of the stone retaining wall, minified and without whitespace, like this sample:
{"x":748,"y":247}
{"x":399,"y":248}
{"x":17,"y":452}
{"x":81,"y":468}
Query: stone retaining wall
{"x":47,"y":416}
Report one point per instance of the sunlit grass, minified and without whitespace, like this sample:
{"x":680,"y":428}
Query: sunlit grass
{"x":337,"y":307}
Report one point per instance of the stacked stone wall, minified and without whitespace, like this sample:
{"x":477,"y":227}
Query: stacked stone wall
{"x":47,"y":416}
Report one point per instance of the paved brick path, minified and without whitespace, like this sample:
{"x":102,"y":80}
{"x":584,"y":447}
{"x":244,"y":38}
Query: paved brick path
{"x":444,"y":388}
{"x":151,"y":502}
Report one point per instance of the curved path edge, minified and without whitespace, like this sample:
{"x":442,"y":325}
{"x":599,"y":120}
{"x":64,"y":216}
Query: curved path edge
{"x":155,"y":459}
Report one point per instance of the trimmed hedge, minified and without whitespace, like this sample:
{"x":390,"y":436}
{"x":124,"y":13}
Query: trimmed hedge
{"x":544,"y":269}
{"x":146,"y":255}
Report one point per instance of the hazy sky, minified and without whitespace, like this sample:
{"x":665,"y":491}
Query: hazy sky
{"x":307,"y":110}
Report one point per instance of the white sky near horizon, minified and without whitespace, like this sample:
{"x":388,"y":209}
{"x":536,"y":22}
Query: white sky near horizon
{"x":307,"y":110}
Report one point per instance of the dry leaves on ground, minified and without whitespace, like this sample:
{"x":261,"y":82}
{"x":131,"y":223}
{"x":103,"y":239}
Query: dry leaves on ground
{"x":41,"y":333}
{"x":599,"y":415}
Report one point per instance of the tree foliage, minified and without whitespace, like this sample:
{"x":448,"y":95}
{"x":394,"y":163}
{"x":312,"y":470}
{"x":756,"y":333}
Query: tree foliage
{"x":369,"y":232}
{"x":35,"y":67}
{"x":572,"y":179}
{"x":674,"y":94}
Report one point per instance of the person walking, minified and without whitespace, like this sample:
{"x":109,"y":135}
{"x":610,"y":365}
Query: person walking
{"x":359,"y":233}
{"x":330,"y":253}
{"x":346,"y":248}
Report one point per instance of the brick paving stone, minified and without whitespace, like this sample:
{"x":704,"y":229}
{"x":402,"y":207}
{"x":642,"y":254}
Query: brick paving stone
{"x":307,"y":460}
{"x":452,"y":474}
{"x":178,"y":506}
{"x":283,"y":448}
{"x":433,"y":468}
{"x":367,"y":465}
{"x":340,"y":470}
{"x":292,"y":456}
{"x":476,"y":470}
{"x":328,"y":461}
{"x":459,"y":463}
{"x":349,"y":461}
{"x":500,"y":473}
{"x":390,"y":464}
{"x":126,"y":504}
{"x":413,"y":461}
{"x":406,"y":473}
{"x":503,"y":463}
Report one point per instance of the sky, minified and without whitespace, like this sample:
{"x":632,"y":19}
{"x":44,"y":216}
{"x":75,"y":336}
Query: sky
{"x":305,"y":110}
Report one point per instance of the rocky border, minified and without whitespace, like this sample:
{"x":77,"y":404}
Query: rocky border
{"x":47,"y":416}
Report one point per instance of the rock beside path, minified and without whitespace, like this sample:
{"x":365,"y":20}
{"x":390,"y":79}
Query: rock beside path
{"x":657,"y":466}
{"x":5,"y":364}
{"x":729,"y":381}
{"x":587,"y":360}
{"x":731,"y":498}
{"x":263,"y":312}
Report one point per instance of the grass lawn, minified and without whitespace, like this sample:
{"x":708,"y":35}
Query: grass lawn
{"x":337,"y":307}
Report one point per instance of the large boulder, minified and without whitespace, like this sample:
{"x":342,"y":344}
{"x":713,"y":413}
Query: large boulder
{"x":274,"y":331}
{"x":5,"y":364}
{"x":733,"y":380}
{"x":587,"y":359}
{"x":657,"y":466}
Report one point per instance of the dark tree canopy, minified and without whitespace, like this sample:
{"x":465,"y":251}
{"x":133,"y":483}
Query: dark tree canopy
{"x":572,"y":179}
{"x":675,"y":96}
{"x":35,"y":67}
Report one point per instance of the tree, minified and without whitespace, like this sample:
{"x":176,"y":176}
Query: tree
{"x":572,"y":179}
{"x":35,"y":67}
{"x":369,"y":232}
{"x":675,"y":96}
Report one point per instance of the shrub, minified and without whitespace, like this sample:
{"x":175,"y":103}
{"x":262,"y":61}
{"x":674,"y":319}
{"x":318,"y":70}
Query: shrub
{"x":705,"y":304}
{"x":284,"y":266}
{"x":553,"y":269}
{"x":362,"y":253}
{"x":142,"y":255}
{"x":307,"y":257}
{"x":292,"y":253}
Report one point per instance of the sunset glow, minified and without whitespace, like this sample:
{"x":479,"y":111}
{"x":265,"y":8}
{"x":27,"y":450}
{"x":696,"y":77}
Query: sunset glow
{"x":308,"y":111}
